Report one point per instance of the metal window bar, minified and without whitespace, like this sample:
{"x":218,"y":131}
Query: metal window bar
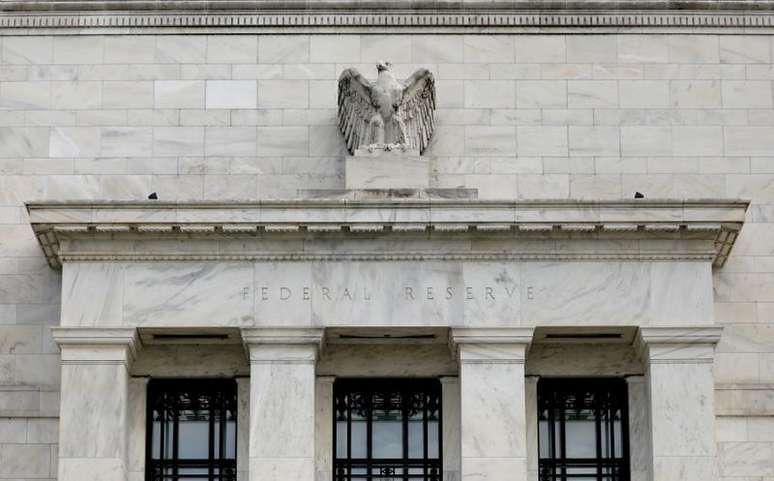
{"x":607,"y":399}
{"x":364,"y":392}
{"x":213,"y":399}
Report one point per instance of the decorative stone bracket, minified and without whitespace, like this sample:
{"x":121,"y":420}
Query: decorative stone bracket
{"x":298,"y":230}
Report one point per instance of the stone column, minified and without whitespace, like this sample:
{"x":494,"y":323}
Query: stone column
{"x":492,"y":402}
{"x":243,"y":428}
{"x":323,"y":450}
{"x":94,"y":410}
{"x":450,"y":426}
{"x":533,"y":456}
{"x":138,"y":407}
{"x":640,"y":460}
{"x":679,"y":389}
{"x":282,"y":402}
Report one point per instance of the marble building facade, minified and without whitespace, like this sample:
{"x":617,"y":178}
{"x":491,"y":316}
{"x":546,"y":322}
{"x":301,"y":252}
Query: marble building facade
{"x":522,"y":257}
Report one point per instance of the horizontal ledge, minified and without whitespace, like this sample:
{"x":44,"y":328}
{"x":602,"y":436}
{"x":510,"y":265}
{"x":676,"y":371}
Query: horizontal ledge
{"x":318,"y":16}
{"x":246,"y":6}
{"x":712,"y":220}
{"x":118,"y":204}
{"x":504,"y":335}
{"x":679,"y":335}
{"x":282,"y":335}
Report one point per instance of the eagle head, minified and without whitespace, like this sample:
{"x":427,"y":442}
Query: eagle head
{"x":381,"y":66}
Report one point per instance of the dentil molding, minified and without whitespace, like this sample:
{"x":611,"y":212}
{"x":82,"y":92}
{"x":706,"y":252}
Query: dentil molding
{"x":702,"y":230}
{"x":104,"y":16}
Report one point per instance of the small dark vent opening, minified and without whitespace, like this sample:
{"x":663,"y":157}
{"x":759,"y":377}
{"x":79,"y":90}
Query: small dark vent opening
{"x":387,"y":336}
{"x":173,"y":337}
{"x":590,"y":335}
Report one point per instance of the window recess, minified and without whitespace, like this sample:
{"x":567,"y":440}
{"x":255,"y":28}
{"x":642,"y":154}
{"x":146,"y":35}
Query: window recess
{"x":191,"y":430}
{"x":583,"y":429}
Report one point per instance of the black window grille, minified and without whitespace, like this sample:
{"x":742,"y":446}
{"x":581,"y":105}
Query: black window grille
{"x":387,"y":430}
{"x":583,"y":430}
{"x":191,"y":431}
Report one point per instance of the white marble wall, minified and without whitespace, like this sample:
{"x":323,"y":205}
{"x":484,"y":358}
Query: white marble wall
{"x":573,"y":116}
{"x":335,"y":293}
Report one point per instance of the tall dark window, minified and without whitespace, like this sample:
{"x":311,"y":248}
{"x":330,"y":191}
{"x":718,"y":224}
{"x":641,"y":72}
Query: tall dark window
{"x":191,"y":430}
{"x":583,"y":430}
{"x":387,"y":430}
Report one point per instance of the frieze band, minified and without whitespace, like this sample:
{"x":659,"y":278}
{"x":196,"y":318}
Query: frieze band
{"x":48,"y":23}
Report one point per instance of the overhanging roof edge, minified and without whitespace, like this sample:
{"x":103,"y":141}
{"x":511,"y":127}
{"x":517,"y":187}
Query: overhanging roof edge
{"x":717,"y":218}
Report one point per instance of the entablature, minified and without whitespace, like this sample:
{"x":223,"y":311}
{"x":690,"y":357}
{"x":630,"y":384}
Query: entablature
{"x":213,"y":16}
{"x":388,"y":230}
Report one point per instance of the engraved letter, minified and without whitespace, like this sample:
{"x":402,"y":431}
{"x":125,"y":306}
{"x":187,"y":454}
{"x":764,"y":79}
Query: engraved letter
{"x":284,"y":293}
{"x":468,"y":292}
{"x":510,"y":291}
{"x":429,"y":293}
{"x":366,"y":294}
{"x":409,"y":293}
{"x":449,"y":292}
{"x":264,"y":293}
{"x":346,"y":294}
{"x":530,"y":295}
{"x":326,"y":293}
{"x":307,"y":295}
{"x":489,"y":293}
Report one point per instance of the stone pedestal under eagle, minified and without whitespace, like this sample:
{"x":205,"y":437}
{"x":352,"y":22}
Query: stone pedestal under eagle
{"x":386,"y":114}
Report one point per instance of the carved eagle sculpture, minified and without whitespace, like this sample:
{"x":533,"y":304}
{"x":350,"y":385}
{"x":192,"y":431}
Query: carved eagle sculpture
{"x":388,"y":113}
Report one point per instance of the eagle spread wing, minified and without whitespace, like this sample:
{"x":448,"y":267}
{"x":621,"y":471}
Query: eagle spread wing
{"x":356,"y":107}
{"x":417,"y":109}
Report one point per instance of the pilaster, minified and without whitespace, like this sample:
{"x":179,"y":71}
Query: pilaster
{"x":530,"y":391}
{"x":94,"y":412}
{"x":679,"y":389}
{"x":243,"y":428}
{"x":492,"y":402}
{"x":282,"y":402}
{"x":450,"y":400}
{"x":324,"y":449}
{"x":640,"y":440}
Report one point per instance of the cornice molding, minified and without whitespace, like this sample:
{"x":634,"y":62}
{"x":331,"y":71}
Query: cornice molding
{"x":57,"y":224}
{"x":156,"y":16}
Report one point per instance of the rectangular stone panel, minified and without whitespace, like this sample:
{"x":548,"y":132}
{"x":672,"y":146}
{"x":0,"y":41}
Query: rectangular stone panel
{"x":386,"y":170}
